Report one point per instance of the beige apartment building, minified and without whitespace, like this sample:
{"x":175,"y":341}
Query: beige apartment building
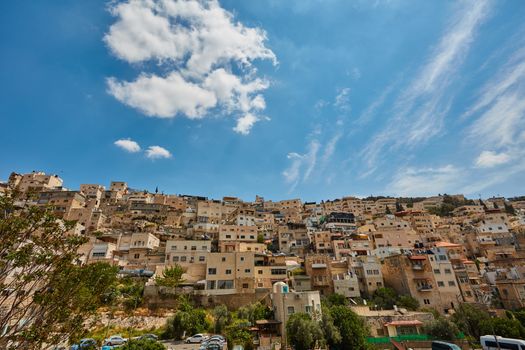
{"x":392,"y":231}
{"x":429,"y":278}
{"x":369,"y":274}
{"x":230,"y":273}
{"x":35,"y":181}
{"x":287,"y":302}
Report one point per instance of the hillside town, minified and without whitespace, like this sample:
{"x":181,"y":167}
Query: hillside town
{"x":443,"y":251}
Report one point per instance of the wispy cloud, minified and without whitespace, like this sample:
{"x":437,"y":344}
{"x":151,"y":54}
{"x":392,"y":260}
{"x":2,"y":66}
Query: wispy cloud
{"x":302,"y":165}
{"x":489,"y":159}
{"x":157,"y":152}
{"x":418,"y":115}
{"x":196,"y":43}
{"x":342,"y":100}
{"x":424,"y":181}
{"x":128,"y":145}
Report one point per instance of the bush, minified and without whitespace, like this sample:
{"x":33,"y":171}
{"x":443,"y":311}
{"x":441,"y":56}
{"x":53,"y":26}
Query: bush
{"x":142,"y":344}
{"x":441,"y":329}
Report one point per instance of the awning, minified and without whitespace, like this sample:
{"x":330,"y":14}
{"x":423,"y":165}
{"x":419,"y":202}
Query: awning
{"x":405,"y":323}
{"x":417,"y":257}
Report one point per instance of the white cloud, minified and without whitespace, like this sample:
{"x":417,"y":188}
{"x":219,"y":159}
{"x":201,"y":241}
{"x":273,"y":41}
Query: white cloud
{"x":197,"y":43}
{"x":425,"y":181}
{"x":301,"y":163}
{"x":128,"y":145}
{"x":157,"y":152}
{"x":245,"y":124}
{"x":489,"y":159}
{"x":163,"y":97}
{"x":342,"y":100}
{"x":419,"y":112}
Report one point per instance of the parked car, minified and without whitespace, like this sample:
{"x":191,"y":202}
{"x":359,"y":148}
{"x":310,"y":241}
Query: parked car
{"x":115,"y":340}
{"x":215,"y":339}
{"x":212,"y":345}
{"x":84,"y":344}
{"x":147,"y":336}
{"x":441,"y":345}
{"x":196,"y":339}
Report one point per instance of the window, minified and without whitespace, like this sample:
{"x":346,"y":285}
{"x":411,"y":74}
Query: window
{"x":260,"y":272}
{"x":436,"y":271}
{"x":212,"y":271}
{"x":175,"y":259}
{"x":202,"y":258}
{"x":451,"y":283}
{"x":441,"y":284}
{"x":291,"y":310}
{"x":447,"y":271}
{"x":247,"y":270}
{"x":136,"y":256}
{"x":245,"y":285}
{"x":426,"y":301}
{"x":226,"y":284}
{"x":442,"y":257}
{"x":242,"y":258}
{"x":223,"y":259}
{"x":228,"y":236}
{"x":210,"y":285}
{"x":182,"y":258}
{"x":228,"y":272}
{"x":193,"y":247}
{"x":204,"y":247}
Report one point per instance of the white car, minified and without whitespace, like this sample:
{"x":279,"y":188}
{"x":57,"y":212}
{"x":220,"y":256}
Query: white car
{"x":115,"y":340}
{"x":196,"y":339}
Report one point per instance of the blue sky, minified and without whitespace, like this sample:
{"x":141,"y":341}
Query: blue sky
{"x":312,"y":99}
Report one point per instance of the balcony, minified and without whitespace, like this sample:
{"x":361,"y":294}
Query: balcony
{"x":319,"y":266}
{"x":425,"y":288}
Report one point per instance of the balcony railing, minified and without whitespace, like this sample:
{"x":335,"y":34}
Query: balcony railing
{"x":425,"y":288}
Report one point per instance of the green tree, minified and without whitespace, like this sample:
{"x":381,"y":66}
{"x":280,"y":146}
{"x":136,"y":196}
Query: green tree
{"x":222,"y":317}
{"x":260,"y":238}
{"x":385,"y":298}
{"x":253,"y":312}
{"x":352,"y":329}
{"x":407,"y":302}
{"x":47,"y":295}
{"x":303,"y":332}
{"x":186,"y":321}
{"x":441,"y":328}
{"x":330,"y":331}
{"x":171,"y":277}
{"x":238,"y":333}
{"x":142,"y":344}
{"x":469,"y":319}
{"x":504,"y":327}
{"x":335,"y":299}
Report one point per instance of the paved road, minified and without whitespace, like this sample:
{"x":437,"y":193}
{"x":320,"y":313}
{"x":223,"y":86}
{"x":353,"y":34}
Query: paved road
{"x":178,"y":345}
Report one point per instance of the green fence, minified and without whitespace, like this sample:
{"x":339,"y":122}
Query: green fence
{"x":405,"y":337}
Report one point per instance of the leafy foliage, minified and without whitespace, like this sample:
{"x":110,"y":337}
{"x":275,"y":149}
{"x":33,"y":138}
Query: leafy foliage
{"x":504,"y":327}
{"x":386,"y":298}
{"x":441,"y":328}
{"x":331,"y":332}
{"x":42,"y":281}
{"x":469,"y":320}
{"x":222,"y":317}
{"x":238,"y":333}
{"x":352,"y":329}
{"x":303,"y":332}
{"x":253,"y":312}
{"x":187,"y":320}
{"x":335,"y":299}
{"x":171,"y":277}
{"x":142,"y":344}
